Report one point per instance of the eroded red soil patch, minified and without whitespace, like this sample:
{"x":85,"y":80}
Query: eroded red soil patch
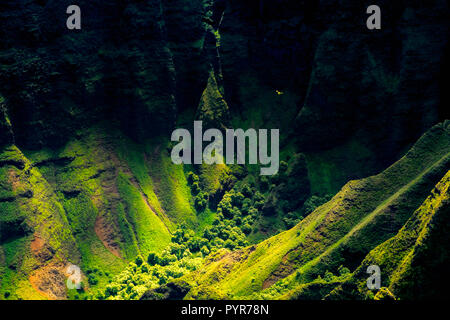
{"x":50,"y":280}
{"x":105,"y":233}
{"x":283,"y":270}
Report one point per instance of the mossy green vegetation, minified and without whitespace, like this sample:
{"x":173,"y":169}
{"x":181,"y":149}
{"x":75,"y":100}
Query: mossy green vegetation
{"x":113,"y":203}
{"x":413,"y":258}
{"x":30,"y":212}
{"x":135,"y":155}
{"x":86,"y":176}
{"x":340,"y":232}
{"x":151,"y":233}
{"x":171,"y":187}
{"x":98,"y":195}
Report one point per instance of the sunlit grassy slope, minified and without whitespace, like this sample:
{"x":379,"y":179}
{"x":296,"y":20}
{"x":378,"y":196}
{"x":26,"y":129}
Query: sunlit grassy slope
{"x":364,"y":214}
{"x":30,"y":211}
{"x":98,"y":202}
{"x":414,"y":260}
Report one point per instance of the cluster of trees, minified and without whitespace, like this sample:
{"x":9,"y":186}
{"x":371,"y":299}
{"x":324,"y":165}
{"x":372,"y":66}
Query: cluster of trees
{"x":201,"y":197}
{"x":288,"y":190}
{"x":288,"y":194}
{"x":222,"y":234}
{"x":343,"y":272}
{"x":240,"y":208}
{"x":93,"y":274}
{"x":238,"y":205}
{"x":236,"y":212}
{"x":141,"y":275}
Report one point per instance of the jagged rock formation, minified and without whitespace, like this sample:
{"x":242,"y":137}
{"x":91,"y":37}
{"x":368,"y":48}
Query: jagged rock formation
{"x":117,"y":68}
{"x":85,"y":119}
{"x":6,"y":134}
{"x":355,"y":92}
{"x":213,"y":109}
{"x":136,"y":63}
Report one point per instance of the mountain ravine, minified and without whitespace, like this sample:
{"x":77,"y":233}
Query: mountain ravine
{"x":86,"y":176}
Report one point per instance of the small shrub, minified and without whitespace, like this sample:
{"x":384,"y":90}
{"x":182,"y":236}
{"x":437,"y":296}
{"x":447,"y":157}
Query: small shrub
{"x":138,"y":261}
{"x":246,"y":228}
{"x":153,"y":259}
{"x":201,"y":201}
{"x":92,"y":280}
{"x":328,"y":277}
{"x":343,"y":271}
{"x":192,"y":178}
{"x":205,"y":251}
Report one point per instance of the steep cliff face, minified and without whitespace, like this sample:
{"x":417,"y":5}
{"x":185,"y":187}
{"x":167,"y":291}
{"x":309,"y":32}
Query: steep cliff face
{"x":6,"y":134}
{"x":376,"y":87}
{"x":117,"y":68}
{"x":85,"y":119}
{"x":135,"y":64}
{"x":192,"y":43}
{"x":357,"y":93}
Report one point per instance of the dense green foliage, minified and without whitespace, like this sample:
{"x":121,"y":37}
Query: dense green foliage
{"x":340,"y":232}
{"x":86,"y":176}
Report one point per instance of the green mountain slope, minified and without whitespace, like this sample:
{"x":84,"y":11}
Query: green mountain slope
{"x":35,"y":238}
{"x":413,"y":262}
{"x":93,"y":203}
{"x":85,"y":169}
{"x":364,"y":214}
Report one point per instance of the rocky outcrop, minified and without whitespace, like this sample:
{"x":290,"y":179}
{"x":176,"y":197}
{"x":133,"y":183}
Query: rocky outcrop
{"x":6,"y":134}
{"x":376,"y":91}
{"x":118,"y":68}
{"x":348,"y":103}
{"x":352,"y":85}
{"x":213,"y":109}
{"x":190,"y":39}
